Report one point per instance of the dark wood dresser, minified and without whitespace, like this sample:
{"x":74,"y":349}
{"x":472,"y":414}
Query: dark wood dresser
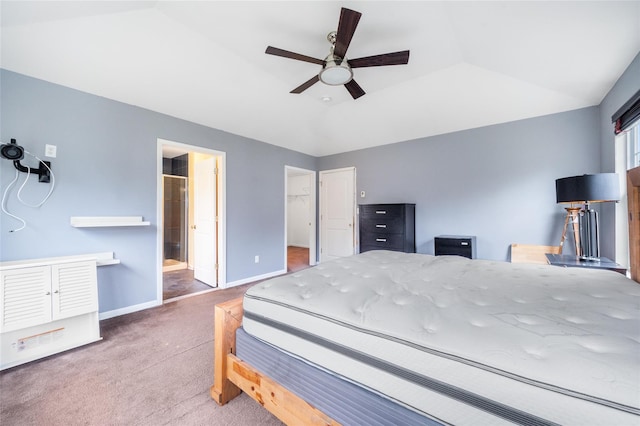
{"x":388,"y":227}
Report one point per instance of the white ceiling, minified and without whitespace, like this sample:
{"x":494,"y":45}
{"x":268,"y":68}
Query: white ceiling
{"x":472,"y":64}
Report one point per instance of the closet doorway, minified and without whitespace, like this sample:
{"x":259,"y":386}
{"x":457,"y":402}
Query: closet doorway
{"x":300,"y":218}
{"x":190,"y":220}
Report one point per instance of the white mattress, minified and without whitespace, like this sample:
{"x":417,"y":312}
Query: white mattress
{"x":464,"y":341}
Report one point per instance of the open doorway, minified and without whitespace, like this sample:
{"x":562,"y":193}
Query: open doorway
{"x":190,"y":220}
{"x":300,"y":218}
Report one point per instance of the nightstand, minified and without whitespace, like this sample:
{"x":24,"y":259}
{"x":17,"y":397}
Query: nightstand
{"x":459,"y":245}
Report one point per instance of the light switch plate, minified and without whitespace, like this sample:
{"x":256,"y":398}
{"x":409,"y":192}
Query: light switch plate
{"x":50,"y":151}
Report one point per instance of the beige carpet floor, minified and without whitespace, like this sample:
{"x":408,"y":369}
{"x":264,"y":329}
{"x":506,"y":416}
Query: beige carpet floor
{"x":153,"y":367}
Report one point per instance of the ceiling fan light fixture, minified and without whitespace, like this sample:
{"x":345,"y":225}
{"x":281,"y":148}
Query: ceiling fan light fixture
{"x":336,"y":71}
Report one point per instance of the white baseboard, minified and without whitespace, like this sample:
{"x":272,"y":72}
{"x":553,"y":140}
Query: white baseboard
{"x":154,"y":303}
{"x":255,"y":278}
{"x":128,"y":309}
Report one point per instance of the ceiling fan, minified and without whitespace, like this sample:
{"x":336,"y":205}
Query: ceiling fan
{"x":336,"y":68}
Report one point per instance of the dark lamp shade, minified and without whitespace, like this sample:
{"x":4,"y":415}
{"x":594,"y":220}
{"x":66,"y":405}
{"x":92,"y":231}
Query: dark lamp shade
{"x":588,"y":188}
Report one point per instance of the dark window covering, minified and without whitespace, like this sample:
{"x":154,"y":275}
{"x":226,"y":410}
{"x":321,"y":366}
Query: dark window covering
{"x":627,"y":114}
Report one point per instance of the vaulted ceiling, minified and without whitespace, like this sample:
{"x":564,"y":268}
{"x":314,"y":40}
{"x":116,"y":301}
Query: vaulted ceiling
{"x":472,"y":64}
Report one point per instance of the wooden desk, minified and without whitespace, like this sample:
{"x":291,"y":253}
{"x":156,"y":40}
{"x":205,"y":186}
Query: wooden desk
{"x":568,"y":260}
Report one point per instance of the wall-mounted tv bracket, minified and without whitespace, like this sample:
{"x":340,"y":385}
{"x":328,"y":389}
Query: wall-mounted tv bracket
{"x":15,"y":152}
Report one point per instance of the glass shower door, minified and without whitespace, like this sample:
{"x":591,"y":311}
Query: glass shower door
{"x":174,"y":222}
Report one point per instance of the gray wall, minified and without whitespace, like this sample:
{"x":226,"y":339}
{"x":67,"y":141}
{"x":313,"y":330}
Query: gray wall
{"x":106,"y":165}
{"x":496,"y":182}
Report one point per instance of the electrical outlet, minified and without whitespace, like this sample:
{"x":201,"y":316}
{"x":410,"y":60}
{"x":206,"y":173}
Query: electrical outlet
{"x":257,"y":259}
{"x":50,"y":151}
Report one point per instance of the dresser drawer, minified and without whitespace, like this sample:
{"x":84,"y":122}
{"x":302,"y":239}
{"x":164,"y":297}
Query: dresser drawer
{"x":381,"y":242}
{"x":369,"y":211}
{"x":382,"y":225}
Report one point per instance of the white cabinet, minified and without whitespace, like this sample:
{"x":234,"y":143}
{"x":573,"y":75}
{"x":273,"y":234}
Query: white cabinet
{"x":47,"y":308}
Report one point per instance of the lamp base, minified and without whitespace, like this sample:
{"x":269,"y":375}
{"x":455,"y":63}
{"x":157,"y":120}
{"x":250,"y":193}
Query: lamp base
{"x":589,"y":234}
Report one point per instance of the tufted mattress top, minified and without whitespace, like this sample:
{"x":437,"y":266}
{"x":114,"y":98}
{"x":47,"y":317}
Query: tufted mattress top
{"x":464,"y":341}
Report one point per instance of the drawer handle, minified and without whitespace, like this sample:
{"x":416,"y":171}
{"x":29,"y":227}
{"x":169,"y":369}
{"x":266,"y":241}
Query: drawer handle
{"x":381,"y":212}
{"x":381,"y":240}
{"x":464,"y":243}
{"x":381,"y":226}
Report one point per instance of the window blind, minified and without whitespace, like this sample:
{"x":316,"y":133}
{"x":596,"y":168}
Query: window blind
{"x":627,"y":114}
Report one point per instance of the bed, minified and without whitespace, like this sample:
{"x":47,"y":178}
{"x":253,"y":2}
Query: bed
{"x":394,"y":338}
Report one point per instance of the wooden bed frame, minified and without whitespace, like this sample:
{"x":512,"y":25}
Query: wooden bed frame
{"x":233,"y":376}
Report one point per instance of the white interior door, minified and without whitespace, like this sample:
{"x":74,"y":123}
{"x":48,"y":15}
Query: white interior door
{"x":337,"y":213}
{"x":205,"y":229}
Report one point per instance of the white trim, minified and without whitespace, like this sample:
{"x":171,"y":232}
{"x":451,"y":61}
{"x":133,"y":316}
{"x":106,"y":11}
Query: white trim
{"x":621,"y":222}
{"x":128,"y":310}
{"x":222,"y":210}
{"x":312,"y":207}
{"x":256,"y":278}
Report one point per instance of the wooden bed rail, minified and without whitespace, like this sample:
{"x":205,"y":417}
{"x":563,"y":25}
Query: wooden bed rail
{"x":232,"y":376}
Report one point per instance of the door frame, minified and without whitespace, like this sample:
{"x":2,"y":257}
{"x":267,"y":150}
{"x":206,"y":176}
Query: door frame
{"x":322,"y":202}
{"x":221,"y":207}
{"x":312,"y":209}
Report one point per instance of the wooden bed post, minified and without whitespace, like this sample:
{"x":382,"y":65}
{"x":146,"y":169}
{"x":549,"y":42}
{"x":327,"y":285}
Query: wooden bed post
{"x":228,"y":318}
{"x":232,"y":376}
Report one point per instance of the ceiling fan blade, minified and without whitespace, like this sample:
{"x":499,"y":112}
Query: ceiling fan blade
{"x":355,"y":90}
{"x":395,"y":58}
{"x":291,"y":55}
{"x":304,"y":86}
{"x":346,"y":27}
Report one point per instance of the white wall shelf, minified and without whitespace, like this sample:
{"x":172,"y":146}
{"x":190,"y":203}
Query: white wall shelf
{"x":106,"y":221}
{"x":102,"y":259}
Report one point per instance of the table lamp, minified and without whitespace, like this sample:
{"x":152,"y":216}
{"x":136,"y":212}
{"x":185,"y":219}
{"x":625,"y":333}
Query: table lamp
{"x":585,"y":190}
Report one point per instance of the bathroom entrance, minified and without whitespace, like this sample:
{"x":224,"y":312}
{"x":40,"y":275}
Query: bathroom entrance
{"x":190,"y":208}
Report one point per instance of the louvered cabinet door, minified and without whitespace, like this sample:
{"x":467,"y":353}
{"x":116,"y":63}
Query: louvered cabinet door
{"x":25,"y":297}
{"x":75,"y":289}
